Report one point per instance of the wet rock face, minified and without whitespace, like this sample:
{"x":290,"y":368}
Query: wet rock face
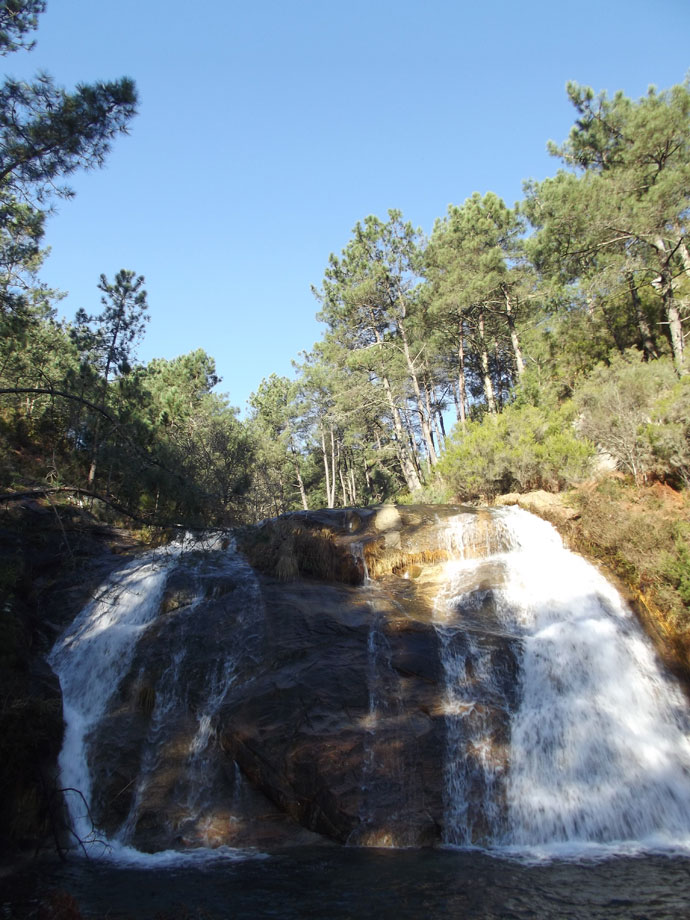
{"x":259,"y":710}
{"x":330,"y":729}
{"x":49,"y":568}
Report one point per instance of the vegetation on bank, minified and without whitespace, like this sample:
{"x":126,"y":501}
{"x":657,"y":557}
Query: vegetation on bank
{"x":642,"y":533}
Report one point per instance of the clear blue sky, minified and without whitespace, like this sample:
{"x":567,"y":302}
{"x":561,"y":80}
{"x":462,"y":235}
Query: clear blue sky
{"x":268,"y":128}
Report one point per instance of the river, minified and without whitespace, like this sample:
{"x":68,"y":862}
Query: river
{"x":334,"y":883}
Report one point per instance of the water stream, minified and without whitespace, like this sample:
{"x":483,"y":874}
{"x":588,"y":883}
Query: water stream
{"x":597,"y":751}
{"x":564,"y":736}
{"x":91,"y":659}
{"x":599,"y":745}
{"x":96,"y":653}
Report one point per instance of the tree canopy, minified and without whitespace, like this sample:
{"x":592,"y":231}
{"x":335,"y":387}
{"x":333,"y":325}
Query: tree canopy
{"x":546,"y":329}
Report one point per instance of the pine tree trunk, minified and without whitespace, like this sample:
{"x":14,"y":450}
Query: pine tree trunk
{"x":431,"y":415}
{"x":405,"y":459}
{"x":462,"y":385}
{"x":484,"y":359}
{"x":683,"y":253}
{"x":423,"y":417}
{"x":675,"y":327}
{"x":434,"y":417}
{"x":514,"y":340}
{"x":300,"y":483}
{"x":442,"y":426}
{"x":664,"y":284}
{"x":353,"y":485}
{"x":326,"y":468}
{"x":412,"y":443}
{"x":343,"y":487}
{"x":331,"y":498}
{"x":407,"y":467}
{"x":94,"y":453}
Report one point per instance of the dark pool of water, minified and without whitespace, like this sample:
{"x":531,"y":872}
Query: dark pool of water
{"x":359,"y":883}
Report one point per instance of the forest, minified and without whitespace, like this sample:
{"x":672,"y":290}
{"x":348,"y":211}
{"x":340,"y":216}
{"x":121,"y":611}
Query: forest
{"x":512,"y":349}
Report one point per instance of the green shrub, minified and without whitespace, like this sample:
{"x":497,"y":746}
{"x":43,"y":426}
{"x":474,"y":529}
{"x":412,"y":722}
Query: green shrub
{"x":676,"y":567}
{"x":435,"y":492}
{"x":668,"y":434}
{"x":523,"y":448}
{"x":617,"y":408}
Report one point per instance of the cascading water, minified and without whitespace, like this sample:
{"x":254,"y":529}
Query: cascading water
{"x":521,"y":709}
{"x":472,"y":781}
{"x":479,"y":661}
{"x":599,"y":745}
{"x":376,"y":710}
{"x":90,"y":661}
{"x":596,"y":749}
{"x":530,"y":714}
{"x":94,"y":657}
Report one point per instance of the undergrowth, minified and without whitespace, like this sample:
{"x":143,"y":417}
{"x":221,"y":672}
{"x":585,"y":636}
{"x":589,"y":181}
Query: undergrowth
{"x":643,"y":534}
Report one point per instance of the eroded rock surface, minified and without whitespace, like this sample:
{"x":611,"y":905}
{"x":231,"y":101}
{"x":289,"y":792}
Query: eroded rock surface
{"x":307,"y":694}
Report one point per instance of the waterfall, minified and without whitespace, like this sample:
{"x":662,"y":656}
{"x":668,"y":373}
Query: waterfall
{"x":473,"y":780}
{"x":478,"y":656}
{"x":91,"y":659}
{"x":599,"y":745}
{"x":376,"y":710}
{"x":384,"y":780}
{"x":597,"y":748}
{"x":530,"y":714}
{"x":202,"y":765}
{"x":96,"y":653}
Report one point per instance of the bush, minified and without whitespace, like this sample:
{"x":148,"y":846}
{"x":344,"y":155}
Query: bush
{"x":668,"y":434}
{"x":435,"y":492}
{"x":676,"y":566}
{"x":523,"y":448}
{"x":617,"y":406}
{"x":642,"y":533}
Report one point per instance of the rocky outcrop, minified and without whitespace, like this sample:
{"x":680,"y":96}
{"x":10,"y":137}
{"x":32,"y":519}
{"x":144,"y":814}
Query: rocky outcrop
{"x":342,"y":677}
{"x":551,"y":506}
{"x":306,"y":694}
{"x":342,"y":727}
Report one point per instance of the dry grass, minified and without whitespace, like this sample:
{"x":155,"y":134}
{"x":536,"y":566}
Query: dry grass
{"x":287,"y":566}
{"x":381,"y":561}
{"x":288,"y":549}
{"x":638,"y":532}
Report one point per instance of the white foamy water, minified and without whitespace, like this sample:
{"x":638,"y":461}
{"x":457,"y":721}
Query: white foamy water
{"x":599,"y":746}
{"x":90,"y":661}
{"x":92,"y":658}
{"x":598,"y":754}
{"x":565,"y":737}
